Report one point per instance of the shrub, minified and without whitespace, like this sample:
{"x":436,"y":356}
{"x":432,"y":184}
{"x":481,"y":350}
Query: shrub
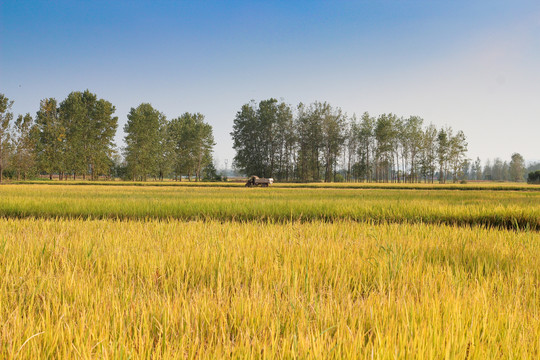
{"x":534,"y":177}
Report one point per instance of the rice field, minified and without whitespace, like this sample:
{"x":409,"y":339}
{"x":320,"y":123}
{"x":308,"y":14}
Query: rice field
{"x":505,"y":209}
{"x":210,"y":272}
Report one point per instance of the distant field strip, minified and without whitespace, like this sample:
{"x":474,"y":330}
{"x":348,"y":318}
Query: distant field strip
{"x":494,"y":186}
{"x":212,"y":289}
{"x":504,"y":209}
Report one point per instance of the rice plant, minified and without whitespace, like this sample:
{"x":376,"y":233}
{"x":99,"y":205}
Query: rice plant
{"x":211,"y":289}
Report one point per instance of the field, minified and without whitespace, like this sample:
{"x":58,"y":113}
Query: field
{"x":288,"y":272}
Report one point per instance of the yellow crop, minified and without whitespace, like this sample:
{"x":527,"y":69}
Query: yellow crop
{"x":208,"y":289}
{"x":207,"y":272}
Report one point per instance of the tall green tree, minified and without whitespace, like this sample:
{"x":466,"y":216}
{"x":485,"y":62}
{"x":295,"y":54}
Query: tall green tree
{"x":350,"y":146}
{"x":477,"y":166}
{"x":192,"y":145}
{"x":443,"y":152}
{"x":517,"y":167}
{"x":165,"y":154}
{"x":385,"y":134}
{"x":456,"y":155}
{"x":247,"y":139}
{"x":51,"y":144}
{"x":284,"y":142}
{"x":262,"y":137}
{"x":310,"y":141}
{"x":24,"y":146}
{"x":203,"y":144}
{"x":487,"y":171}
{"x":332,"y":126}
{"x":429,"y":153}
{"x":366,"y":140}
{"x":413,"y":140}
{"x":90,"y":128}
{"x":6,"y":116}
{"x":143,"y":141}
{"x":497,"y":170}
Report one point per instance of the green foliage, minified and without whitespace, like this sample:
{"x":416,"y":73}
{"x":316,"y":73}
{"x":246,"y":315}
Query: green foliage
{"x":24,"y":145}
{"x":263,"y":139}
{"x":210,"y":173}
{"x":192,"y":142}
{"x":51,"y":144}
{"x":143,"y":131}
{"x":517,"y":167}
{"x":90,"y":129}
{"x":6,"y":116}
{"x":534,"y":177}
{"x":271,"y":142}
{"x":76,"y":136}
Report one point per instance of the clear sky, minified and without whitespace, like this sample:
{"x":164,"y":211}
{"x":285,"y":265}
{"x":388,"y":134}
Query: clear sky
{"x":473,"y":65}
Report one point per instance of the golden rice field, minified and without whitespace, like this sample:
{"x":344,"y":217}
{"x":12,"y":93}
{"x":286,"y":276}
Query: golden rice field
{"x":210,"y":272}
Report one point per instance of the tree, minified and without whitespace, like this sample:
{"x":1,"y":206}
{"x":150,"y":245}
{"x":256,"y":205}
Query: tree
{"x":263,"y":138}
{"x":192,"y":143}
{"x":203,"y":144}
{"x":210,"y":173}
{"x":497,"y":170}
{"x":487,"y":172}
{"x":351,"y":146}
{"x":285,"y":142}
{"x":456,"y":155}
{"x":143,"y":141}
{"x":310,"y":138}
{"x":247,"y":140}
{"x":366,"y":140}
{"x":385,"y":135}
{"x":534,"y":177}
{"x":443,"y":153}
{"x":165,"y":154}
{"x":517,"y":167}
{"x":6,"y":116}
{"x":320,"y":142}
{"x":24,"y":145}
{"x":90,"y":129}
{"x":332,"y":126}
{"x":429,"y":153}
{"x":477,"y":166}
{"x":413,"y":140}
{"x":51,"y":138}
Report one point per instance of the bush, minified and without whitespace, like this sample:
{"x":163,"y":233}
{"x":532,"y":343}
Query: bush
{"x":534,"y":177}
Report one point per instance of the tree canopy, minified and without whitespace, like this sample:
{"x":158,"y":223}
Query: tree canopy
{"x":318,"y":142}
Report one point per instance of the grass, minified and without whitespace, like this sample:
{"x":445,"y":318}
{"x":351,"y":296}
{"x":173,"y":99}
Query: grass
{"x":207,"y":289}
{"x":505,"y":209}
{"x":294,"y":272}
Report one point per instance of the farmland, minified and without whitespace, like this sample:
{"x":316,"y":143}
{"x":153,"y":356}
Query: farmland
{"x":510,"y":209}
{"x":293,"y":272}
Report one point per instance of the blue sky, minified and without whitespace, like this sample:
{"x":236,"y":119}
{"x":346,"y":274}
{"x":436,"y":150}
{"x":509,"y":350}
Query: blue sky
{"x":473,"y":65}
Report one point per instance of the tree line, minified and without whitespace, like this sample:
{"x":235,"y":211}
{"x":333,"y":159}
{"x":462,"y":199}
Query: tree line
{"x":75,"y":138}
{"x":319,"y":142}
{"x":497,"y":169}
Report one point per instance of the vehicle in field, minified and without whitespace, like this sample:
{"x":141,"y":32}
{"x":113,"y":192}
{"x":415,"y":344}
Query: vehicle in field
{"x":257,"y":181}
